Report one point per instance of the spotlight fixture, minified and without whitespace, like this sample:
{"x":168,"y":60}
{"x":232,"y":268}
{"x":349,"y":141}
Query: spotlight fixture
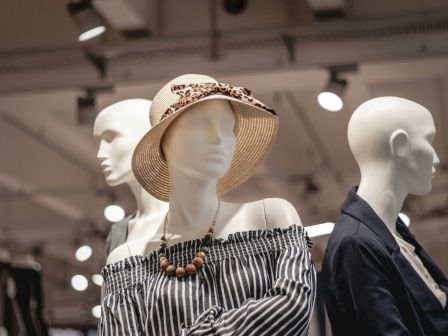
{"x":79,"y":282}
{"x":96,"y":311}
{"x":97,"y":279}
{"x":331,"y":98}
{"x":83,"y":253}
{"x":114,"y":213}
{"x":88,"y":20}
{"x":235,"y":6}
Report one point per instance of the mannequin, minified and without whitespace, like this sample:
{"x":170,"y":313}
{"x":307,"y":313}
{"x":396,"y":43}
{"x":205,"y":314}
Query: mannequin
{"x":373,"y":264}
{"x":396,"y":170}
{"x":191,"y":175}
{"x":252,"y":272}
{"x":119,"y":127}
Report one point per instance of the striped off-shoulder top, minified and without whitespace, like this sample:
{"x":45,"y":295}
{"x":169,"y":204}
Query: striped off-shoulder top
{"x":259,"y":282}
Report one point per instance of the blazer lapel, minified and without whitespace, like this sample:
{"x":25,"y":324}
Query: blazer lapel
{"x":430,"y":265}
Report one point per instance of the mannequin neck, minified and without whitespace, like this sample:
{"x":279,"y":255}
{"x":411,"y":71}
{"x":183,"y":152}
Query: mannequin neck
{"x":383,"y":190}
{"x":192,"y":206}
{"x":147,"y":204}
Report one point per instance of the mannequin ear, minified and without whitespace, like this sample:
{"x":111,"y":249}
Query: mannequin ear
{"x":399,"y":143}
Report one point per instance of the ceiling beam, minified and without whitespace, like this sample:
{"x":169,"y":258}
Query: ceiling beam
{"x":325,"y":44}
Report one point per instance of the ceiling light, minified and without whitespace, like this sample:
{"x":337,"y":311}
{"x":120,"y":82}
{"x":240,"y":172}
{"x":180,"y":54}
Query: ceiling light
{"x":88,"y":20}
{"x":97,"y":279}
{"x":83,"y":253}
{"x":90,"y":34}
{"x":331,"y":98}
{"x":319,"y":229}
{"x":96,"y":311}
{"x":79,"y":282}
{"x":405,"y":218}
{"x":114,"y":213}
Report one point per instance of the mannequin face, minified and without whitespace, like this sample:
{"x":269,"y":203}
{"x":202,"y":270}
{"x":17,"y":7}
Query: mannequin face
{"x":119,"y":128}
{"x":391,"y":139}
{"x":419,"y":159}
{"x":200,"y":142}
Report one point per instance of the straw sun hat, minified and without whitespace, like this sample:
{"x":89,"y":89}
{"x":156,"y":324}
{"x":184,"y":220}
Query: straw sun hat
{"x":255,"y":129}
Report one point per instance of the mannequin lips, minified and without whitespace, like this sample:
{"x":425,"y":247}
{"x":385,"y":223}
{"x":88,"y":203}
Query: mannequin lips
{"x":106,"y":168}
{"x":215,"y":154}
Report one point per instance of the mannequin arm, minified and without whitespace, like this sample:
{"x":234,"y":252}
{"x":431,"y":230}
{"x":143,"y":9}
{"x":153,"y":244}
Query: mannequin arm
{"x":362,"y":286}
{"x":284,"y":310}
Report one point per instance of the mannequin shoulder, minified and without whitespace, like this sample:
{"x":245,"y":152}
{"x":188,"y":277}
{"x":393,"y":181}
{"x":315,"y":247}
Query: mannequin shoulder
{"x":141,"y":246}
{"x":119,"y":253}
{"x":280,"y":213}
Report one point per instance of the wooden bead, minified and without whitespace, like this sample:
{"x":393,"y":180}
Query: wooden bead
{"x":163,"y":238}
{"x":191,"y":269}
{"x":210,"y":229}
{"x":163,"y":244}
{"x":171,"y":269}
{"x":204,"y":249}
{"x":180,"y":272}
{"x":201,"y":255}
{"x":164,"y":263}
{"x":198,"y":262}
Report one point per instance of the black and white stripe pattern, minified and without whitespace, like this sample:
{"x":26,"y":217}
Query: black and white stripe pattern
{"x":254,"y":283}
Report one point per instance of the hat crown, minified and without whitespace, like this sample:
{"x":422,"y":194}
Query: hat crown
{"x":165,"y":97}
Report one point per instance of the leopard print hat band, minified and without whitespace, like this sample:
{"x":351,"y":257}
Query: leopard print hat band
{"x":190,"y":93}
{"x":255,"y":132}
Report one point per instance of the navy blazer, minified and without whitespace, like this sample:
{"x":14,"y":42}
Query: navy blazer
{"x":369,"y":287}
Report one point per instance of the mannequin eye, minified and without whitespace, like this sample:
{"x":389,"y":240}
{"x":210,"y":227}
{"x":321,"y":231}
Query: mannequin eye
{"x":430,"y":137}
{"x":109,"y":136}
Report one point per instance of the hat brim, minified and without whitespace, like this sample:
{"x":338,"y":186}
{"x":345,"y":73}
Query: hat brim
{"x":255,"y":134}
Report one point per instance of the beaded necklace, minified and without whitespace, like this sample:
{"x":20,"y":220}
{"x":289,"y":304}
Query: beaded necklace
{"x":197,"y":262}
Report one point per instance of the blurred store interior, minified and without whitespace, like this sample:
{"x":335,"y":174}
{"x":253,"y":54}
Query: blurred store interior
{"x":52,"y":190}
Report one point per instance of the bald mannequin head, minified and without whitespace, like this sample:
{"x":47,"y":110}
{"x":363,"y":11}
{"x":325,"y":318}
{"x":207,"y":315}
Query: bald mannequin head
{"x":393,"y":136}
{"x":120,"y":127}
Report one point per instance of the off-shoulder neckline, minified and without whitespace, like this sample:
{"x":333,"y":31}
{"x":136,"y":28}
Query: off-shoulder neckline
{"x":235,"y":237}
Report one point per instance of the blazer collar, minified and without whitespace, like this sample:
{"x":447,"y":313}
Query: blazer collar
{"x":356,"y":207}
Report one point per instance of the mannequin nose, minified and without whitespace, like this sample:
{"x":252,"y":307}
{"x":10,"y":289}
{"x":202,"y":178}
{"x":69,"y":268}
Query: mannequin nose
{"x":215,"y":134}
{"x":436,"y":160}
{"x":101,"y":155}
